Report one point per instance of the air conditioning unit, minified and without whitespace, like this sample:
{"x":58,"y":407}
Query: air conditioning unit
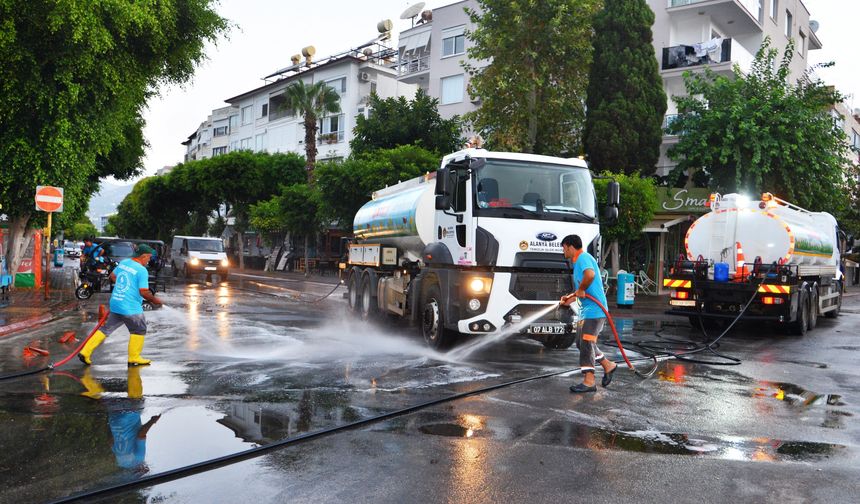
{"x":364,"y":76}
{"x":476,"y":100}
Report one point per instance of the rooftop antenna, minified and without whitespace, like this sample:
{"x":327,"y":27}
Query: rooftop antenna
{"x":412,"y":12}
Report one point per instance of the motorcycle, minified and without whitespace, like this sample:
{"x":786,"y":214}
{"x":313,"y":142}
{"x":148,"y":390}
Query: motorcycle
{"x":92,"y":278}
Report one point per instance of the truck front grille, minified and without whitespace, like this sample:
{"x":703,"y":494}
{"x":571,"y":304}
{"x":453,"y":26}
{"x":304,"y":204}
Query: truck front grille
{"x":540,"y":286}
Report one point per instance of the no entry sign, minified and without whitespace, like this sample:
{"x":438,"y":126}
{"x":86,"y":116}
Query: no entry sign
{"x":49,"y":199}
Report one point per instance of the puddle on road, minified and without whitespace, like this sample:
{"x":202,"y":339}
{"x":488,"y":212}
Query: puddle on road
{"x":578,"y":435}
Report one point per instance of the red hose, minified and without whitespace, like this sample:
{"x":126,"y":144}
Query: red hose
{"x":618,"y":340}
{"x":102,"y":318}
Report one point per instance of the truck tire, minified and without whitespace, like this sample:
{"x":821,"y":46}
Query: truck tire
{"x":368,"y":304}
{"x":433,"y":320}
{"x":354,"y":290}
{"x":813,"y":306}
{"x":800,"y":326}
{"x":559,"y":341}
{"x":835,"y":313}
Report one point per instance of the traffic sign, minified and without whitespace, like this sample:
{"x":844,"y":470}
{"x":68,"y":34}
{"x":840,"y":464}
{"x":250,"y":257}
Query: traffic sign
{"x":49,"y":199}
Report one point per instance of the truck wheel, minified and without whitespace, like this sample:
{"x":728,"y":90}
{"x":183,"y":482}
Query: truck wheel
{"x":835,"y":313}
{"x":353,"y":290}
{"x":559,"y":341}
{"x":801,"y":325}
{"x":368,"y":307}
{"x":433,"y":320}
{"x":813,"y":306}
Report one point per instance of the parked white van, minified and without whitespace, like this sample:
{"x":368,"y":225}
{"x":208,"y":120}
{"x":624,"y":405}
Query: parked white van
{"x":198,"y":254}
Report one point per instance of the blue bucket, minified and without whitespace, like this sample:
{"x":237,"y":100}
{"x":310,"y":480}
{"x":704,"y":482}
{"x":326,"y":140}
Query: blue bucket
{"x":721,"y":272}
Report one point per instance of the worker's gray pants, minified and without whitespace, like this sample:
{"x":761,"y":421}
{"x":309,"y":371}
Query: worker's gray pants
{"x":586,"y":341}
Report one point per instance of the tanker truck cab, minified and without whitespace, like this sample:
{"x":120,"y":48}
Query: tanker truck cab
{"x":476,"y":247}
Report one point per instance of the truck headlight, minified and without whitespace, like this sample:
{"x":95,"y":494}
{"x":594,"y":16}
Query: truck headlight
{"x":195,"y":261}
{"x":225,"y":262}
{"x":480,"y":285}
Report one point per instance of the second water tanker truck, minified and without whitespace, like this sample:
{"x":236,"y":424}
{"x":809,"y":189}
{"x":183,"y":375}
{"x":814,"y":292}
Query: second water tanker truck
{"x":475,"y":246}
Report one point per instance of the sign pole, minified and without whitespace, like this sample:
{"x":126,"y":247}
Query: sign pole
{"x":48,"y":258}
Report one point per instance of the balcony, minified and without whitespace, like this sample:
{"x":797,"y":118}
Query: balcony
{"x":414,"y":65}
{"x":330,"y":138}
{"x":719,"y":54}
{"x":735,"y":17}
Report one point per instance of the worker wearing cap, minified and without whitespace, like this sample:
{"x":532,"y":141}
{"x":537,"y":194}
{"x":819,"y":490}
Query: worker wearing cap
{"x":131,"y":287}
{"x":586,"y":280}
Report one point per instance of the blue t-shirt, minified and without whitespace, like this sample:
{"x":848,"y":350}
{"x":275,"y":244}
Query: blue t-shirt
{"x":131,"y":276}
{"x":586,"y":261}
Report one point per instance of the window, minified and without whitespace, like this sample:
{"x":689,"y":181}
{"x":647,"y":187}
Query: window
{"x":774,"y":9}
{"x":234,"y":122}
{"x":278,"y":107}
{"x":217,"y":151}
{"x":234,"y":145}
{"x":265,"y":110}
{"x":801,"y":46}
{"x":338,"y":85}
{"x":452,"y":89}
{"x":855,"y":140}
{"x":331,"y":129}
{"x":220,"y":131}
{"x":787,"y":24}
{"x":247,"y":114}
{"x":260,"y":142}
{"x":453,"y":41}
{"x":245,"y":144}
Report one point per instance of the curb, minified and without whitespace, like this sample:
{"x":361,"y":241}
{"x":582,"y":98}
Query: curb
{"x":32,"y":322}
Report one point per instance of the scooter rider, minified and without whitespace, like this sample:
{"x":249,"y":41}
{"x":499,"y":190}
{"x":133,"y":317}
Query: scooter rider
{"x":586,"y":280}
{"x":126,"y":307}
{"x":92,"y":254}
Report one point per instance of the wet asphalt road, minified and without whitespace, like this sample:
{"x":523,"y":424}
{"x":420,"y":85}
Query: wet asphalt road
{"x":235,"y":368}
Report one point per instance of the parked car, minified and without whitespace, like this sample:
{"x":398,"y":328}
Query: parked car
{"x":118,"y":249}
{"x":71,"y":249}
{"x":198,"y":254}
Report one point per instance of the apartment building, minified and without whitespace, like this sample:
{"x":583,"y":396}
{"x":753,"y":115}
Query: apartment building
{"x":259,"y":120}
{"x":690,"y":34}
{"x":431,"y":55}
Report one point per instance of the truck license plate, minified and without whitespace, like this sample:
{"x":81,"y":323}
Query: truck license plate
{"x":545,"y":329}
{"x":682,"y":302}
{"x":210,"y":268}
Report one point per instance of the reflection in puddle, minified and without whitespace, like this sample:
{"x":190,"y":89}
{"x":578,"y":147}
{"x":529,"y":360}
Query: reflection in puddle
{"x":795,"y":395}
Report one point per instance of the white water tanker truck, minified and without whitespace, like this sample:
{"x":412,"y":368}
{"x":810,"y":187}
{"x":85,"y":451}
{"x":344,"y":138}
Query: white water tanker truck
{"x":781,"y":257}
{"x":475,"y":246}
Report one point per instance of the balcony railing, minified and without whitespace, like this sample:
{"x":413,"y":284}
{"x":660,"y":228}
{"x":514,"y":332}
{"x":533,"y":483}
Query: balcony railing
{"x":330,"y":138}
{"x":706,"y":53}
{"x":414,"y":65}
{"x":752,"y":6}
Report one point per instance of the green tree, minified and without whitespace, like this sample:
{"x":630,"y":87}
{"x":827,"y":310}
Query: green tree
{"x":345,"y":186}
{"x":80,"y":230}
{"x":760,"y":132}
{"x":398,"y":121}
{"x":74,"y":77}
{"x":300,"y":211}
{"x":312,"y":102}
{"x":533,"y":90}
{"x":637,"y":208}
{"x":626,"y":102}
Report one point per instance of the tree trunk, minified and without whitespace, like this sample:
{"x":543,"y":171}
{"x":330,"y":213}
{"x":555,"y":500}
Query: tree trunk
{"x":307,"y":255}
{"x":533,"y":122}
{"x":241,"y":235}
{"x":616,"y":259}
{"x":310,"y":146}
{"x":19,"y":237}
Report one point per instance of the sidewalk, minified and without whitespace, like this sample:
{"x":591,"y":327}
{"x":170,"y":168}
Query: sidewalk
{"x":28,"y":307}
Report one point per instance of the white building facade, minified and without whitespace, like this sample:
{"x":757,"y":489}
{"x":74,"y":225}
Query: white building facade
{"x":691,"y":34}
{"x":259,"y":121}
{"x":431,"y":55}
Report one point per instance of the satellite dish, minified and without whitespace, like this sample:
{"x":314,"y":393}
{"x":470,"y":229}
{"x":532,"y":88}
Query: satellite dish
{"x":412,"y":11}
{"x":813,"y":25}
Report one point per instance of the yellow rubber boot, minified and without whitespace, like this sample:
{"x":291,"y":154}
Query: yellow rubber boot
{"x":135,"y":346}
{"x":91,"y":345}
{"x":94,"y":388}
{"x":135,"y":384}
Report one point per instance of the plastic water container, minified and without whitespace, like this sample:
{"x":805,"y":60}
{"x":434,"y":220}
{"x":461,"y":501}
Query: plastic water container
{"x":58,"y":258}
{"x":721,"y":272}
{"x":626,"y":290}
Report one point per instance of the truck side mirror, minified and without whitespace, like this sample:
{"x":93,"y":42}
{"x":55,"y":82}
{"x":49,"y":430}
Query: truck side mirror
{"x":443,"y":202}
{"x":610,"y":215}
{"x":442,"y":183}
{"x":613,"y":194}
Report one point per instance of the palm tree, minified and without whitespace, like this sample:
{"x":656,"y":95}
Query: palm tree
{"x":312,"y":102}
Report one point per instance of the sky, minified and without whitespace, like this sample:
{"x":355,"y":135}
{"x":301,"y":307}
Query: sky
{"x":266,"y":33}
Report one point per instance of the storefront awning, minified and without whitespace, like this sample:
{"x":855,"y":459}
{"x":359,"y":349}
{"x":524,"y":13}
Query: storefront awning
{"x":662,"y":224}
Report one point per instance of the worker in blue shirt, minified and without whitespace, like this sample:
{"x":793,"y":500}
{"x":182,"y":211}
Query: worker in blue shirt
{"x":131,"y":287}
{"x":586,"y":280}
{"x":92,"y":254}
